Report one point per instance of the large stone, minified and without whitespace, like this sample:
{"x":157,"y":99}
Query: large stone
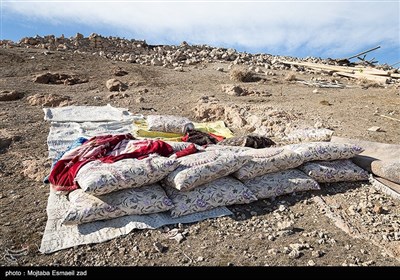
{"x":10,"y":95}
{"x":36,"y":169}
{"x":232,"y":90}
{"x":119,"y":72}
{"x":156,"y":62}
{"x":43,"y":79}
{"x":115,"y":85}
{"x":6,"y":138}
{"x":58,"y":78}
{"x":50,"y":100}
{"x":78,"y":36}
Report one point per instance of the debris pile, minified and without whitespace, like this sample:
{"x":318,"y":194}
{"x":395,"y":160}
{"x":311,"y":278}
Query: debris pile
{"x":358,"y":72}
{"x":175,"y":57}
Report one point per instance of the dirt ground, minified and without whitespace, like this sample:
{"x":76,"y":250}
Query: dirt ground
{"x":254,"y":235}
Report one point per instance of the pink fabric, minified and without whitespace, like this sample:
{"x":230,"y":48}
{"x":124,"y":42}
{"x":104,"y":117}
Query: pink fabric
{"x":107,"y":148}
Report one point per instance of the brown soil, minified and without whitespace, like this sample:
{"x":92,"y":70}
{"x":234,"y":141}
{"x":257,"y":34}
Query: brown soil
{"x":245,"y":239}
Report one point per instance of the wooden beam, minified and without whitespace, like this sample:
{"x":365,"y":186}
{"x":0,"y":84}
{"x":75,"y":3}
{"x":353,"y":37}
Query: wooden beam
{"x":350,"y":70}
{"x":378,"y":79}
{"x":390,"y":118}
{"x":364,"y":52}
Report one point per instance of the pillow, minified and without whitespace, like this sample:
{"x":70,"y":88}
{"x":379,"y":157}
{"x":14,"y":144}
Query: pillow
{"x":280,"y":183}
{"x":203,"y":167}
{"x":222,"y":148}
{"x":334,"y":171}
{"x":387,"y":169}
{"x":309,"y":135}
{"x":325,"y":150}
{"x":221,"y":192}
{"x":100,"y":178}
{"x":179,"y":146}
{"x":86,"y":208}
{"x":267,"y":160}
{"x":168,"y":123}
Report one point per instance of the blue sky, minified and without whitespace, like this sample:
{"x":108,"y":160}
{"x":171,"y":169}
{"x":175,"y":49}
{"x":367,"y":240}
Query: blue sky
{"x":335,"y":29}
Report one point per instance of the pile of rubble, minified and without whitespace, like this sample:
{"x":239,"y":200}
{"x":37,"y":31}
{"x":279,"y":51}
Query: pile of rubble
{"x":271,"y":122}
{"x":138,"y":51}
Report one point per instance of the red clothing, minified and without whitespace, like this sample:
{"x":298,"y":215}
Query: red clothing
{"x":191,"y":149}
{"x":62,"y":176}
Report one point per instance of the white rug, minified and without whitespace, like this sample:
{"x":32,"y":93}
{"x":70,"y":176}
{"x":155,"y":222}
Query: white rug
{"x":57,"y":236}
{"x":86,"y":114}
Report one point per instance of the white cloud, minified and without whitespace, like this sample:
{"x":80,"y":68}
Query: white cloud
{"x":332,"y":28}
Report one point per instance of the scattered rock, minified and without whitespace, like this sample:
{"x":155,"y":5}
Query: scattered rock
{"x":57,"y":78}
{"x":325,"y":102}
{"x":220,"y":69}
{"x":144,"y":90}
{"x":119,"y":72}
{"x":286,"y":250}
{"x":299,"y":246}
{"x":271,"y":238}
{"x":319,"y":124}
{"x":6,"y":138}
{"x":272,"y":252}
{"x":311,"y":263}
{"x":200,"y":259}
{"x":258,"y":70}
{"x":321,"y":241}
{"x":36,"y":169}
{"x":368,"y":263}
{"x":317,"y":253}
{"x":49,"y":100}
{"x":159,"y":247}
{"x":6,"y":95}
{"x":156,"y":62}
{"x":290,"y":77}
{"x":119,"y":95}
{"x":178,"y":237}
{"x":378,"y":209}
{"x":285,"y":232}
{"x":115,"y":85}
{"x":315,"y":91}
{"x":282,"y":208}
{"x":139,"y":100}
{"x":285,"y":225}
{"x":374,"y":129}
{"x":353,"y":210}
{"x":232,"y":90}
{"x":294,"y":254}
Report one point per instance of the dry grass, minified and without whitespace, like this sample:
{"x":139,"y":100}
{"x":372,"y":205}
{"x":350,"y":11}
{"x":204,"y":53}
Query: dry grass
{"x":243,"y":75}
